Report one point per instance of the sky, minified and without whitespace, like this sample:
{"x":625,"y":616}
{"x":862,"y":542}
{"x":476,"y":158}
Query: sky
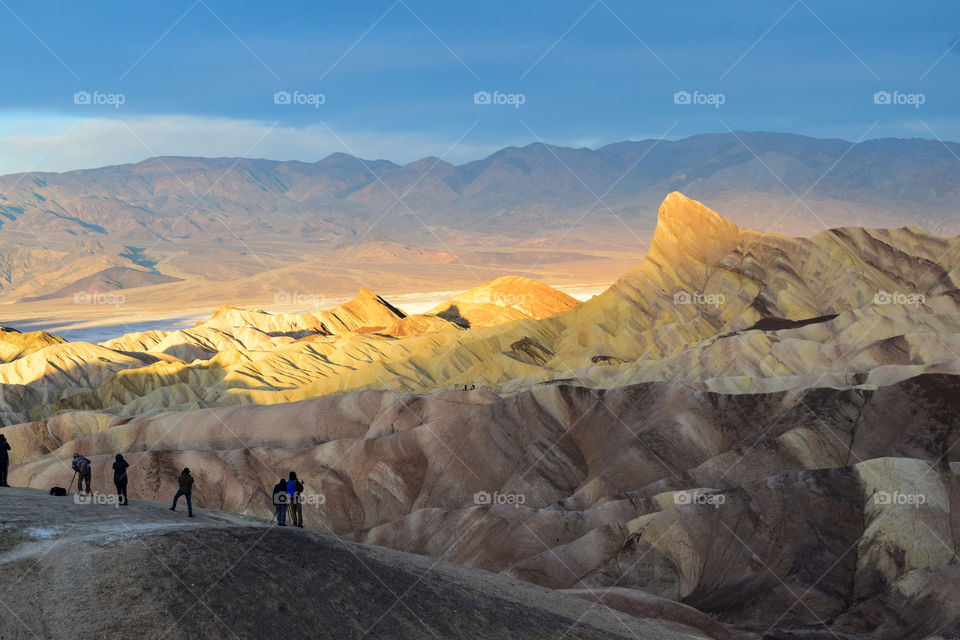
{"x":94,"y":84}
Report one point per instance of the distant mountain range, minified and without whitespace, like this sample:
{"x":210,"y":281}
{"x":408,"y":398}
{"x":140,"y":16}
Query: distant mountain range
{"x":139,"y":215}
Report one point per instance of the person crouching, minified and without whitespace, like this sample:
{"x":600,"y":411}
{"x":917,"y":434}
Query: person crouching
{"x":82,"y":466}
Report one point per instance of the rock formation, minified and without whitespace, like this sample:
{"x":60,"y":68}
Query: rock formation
{"x":748,"y":434}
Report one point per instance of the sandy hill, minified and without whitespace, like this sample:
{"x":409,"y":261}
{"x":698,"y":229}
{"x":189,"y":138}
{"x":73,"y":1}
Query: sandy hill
{"x":106,"y":280}
{"x":504,"y":299}
{"x":14,"y":344}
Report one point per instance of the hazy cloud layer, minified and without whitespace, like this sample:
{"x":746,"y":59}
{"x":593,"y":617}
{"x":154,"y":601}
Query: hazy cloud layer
{"x":59,"y":144}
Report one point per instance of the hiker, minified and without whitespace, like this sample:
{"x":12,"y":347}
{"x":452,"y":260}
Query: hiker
{"x":82,"y":466}
{"x":280,"y":499}
{"x":185,"y":482}
{"x":4,"y":460}
{"x":295,"y":491}
{"x":120,"y":479}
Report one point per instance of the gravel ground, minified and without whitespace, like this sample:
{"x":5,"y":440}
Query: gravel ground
{"x":101,"y":571}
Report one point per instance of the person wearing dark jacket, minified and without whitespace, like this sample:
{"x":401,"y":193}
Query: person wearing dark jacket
{"x":295,"y":493}
{"x":185,"y":483}
{"x":120,"y":479}
{"x":4,"y":460}
{"x":280,"y":500}
{"x":82,"y":466}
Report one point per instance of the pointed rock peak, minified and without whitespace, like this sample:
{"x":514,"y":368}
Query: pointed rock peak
{"x":678,"y":209}
{"x":686,"y":227}
{"x":366,"y":297}
{"x":224,"y":310}
{"x":366,"y":294}
{"x":221,"y":313}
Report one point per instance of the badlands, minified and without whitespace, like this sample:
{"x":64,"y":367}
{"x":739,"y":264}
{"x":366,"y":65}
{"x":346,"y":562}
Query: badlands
{"x":747,"y":436}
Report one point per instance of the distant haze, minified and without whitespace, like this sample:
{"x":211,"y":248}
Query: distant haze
{"x":202,"y":231}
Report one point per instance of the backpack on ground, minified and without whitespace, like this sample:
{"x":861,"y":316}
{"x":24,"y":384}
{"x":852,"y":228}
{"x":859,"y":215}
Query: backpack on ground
{"x":58,"y":491}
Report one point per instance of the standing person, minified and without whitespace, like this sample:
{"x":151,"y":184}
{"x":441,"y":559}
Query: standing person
{"x":280,"y":499}
{"x":185,"y":482}
{"x":4,"y":460}
{"x":82,"y":466}
{"x":120,"y":479}
{"x":295,"y":491}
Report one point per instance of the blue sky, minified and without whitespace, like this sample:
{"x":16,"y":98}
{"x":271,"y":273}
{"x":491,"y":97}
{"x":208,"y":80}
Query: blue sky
{"x":398,"y":79}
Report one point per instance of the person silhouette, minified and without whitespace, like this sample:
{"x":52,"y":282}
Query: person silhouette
{"x":185,"y":484}
{"x":280,"y":500}
{"x":4,"y":460}
{"x":120,"y":479}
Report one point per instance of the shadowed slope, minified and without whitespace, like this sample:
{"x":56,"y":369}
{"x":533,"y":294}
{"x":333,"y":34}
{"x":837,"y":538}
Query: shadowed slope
{"x":220,"y":576}
{"x":682,"y":495}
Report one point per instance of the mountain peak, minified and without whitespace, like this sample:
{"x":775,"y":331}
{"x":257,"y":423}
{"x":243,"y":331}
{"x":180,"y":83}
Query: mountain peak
{"x":688,"y":228}
{"x":678,"y":209}
{"x":503,"y":299}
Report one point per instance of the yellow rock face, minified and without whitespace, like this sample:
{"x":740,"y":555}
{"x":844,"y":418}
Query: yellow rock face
{"x":502,"y":300}
{"x":712,"y":305}
{"x":14,"y":344}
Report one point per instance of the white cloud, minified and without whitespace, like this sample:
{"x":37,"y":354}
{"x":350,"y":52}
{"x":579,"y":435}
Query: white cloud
{"x":54,"y":143}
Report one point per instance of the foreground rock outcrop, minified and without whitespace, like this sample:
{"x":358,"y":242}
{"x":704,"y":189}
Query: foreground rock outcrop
{"x":223,"y":576}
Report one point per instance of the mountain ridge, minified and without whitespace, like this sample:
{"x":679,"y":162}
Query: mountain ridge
{"x":209,"y":222}
{"x":711,"y":305}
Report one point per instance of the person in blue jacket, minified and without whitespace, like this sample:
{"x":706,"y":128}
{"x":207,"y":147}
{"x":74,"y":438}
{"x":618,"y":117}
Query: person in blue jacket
{"x":295,"y":493}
